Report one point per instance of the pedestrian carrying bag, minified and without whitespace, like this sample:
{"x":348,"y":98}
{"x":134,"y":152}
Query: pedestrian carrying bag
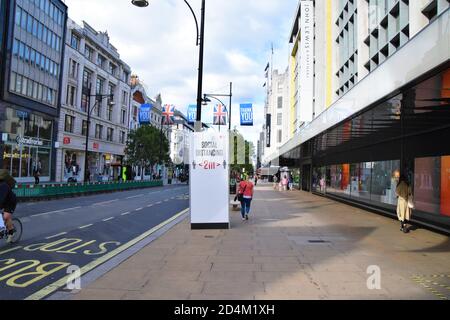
{"x":410,"y":202}
{"x":240,"y":196}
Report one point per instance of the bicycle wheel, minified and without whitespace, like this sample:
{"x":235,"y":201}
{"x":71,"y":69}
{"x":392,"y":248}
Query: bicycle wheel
{"x":18,"y":230}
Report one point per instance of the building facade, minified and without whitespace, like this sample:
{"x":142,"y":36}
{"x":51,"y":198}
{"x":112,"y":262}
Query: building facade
{"x":97,"y":81}
{"x":278,"y":109}
{"x":391,"y":88}
{"x":32,"y":63}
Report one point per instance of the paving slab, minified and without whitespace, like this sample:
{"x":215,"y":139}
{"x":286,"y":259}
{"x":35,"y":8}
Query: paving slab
{"x":295,"y":246}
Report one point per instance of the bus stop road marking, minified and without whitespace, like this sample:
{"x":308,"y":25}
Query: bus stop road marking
{"x":94,"y":264}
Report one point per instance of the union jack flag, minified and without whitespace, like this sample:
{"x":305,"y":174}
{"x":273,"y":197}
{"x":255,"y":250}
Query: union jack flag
{"x":168,"y":113}
{"x":220,"y":115}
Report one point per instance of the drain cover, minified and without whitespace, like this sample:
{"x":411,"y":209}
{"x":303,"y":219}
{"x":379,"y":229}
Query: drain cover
{"x":318,"y":241}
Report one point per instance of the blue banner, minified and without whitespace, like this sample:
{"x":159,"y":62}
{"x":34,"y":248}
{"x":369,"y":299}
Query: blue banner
{"x":192,"y":114}
{"x":145,"y":113}
{"x":247,"y":114}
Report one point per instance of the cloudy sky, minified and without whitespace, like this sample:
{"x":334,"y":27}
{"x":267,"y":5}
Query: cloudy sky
{"x":158,"y":42}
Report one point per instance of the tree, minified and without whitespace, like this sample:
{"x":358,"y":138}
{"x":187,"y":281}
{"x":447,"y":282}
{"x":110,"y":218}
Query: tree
{"x":241,"y":154}
{"x":147,"y":144}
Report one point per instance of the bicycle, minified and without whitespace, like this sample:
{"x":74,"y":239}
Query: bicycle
{"x":17,"y":231}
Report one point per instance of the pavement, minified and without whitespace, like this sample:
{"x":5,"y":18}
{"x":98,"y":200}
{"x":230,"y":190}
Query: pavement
{"x":296,"y":246}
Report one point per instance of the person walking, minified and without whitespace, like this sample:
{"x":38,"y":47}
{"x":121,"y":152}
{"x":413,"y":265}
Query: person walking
{"x":291,"y":182}
{"x":404,"y":203}
{"x":36,"y":174}
{"x":275,"y":182}
{"x":284,"y":183}
{"x":245,"y":196}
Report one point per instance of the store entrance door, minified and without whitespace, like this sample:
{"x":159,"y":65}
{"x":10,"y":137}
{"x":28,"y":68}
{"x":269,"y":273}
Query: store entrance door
{"x":306,"y":177}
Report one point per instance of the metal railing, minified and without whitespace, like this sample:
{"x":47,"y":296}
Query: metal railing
{"x":72,"y":189}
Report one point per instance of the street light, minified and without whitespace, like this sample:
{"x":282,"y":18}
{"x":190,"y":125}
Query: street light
{"x":199,"y":43}
{"x":99,"y":97}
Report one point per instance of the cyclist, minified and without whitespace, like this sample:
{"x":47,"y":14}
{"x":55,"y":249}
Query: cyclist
{"x":8,"y":202}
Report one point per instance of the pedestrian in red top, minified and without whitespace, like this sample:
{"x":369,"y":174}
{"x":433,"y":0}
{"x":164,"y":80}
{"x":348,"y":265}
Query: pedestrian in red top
{"x":245,"y":195}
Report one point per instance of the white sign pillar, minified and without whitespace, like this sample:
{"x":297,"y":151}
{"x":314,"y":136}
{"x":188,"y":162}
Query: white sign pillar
{"x":209,"y":180}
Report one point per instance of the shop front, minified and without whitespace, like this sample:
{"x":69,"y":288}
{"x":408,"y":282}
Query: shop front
{"x":361,"y":159}
{"x":26,"y":145}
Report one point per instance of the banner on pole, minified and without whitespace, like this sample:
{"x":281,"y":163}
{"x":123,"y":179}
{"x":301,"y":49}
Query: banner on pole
{"x":220,"y":115}
{"x":192,"y":113}
{"x":168,"y":113}
{"x":145,"y":113}
{"x":247,"y":114}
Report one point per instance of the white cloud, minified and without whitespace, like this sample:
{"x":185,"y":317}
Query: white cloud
{"x":158,"y":42}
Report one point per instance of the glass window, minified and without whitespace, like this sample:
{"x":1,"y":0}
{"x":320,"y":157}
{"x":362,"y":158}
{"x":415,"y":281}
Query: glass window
{"x":12,"y":81}
{"x":27,"y":53}
{"x":385,"y":176}
{"x":32,"y":56}
{"x":21,"y":50}
{"x":280,"y":102}
{"x":35,"y":90}
{"x":23,"y":21}
{"x":86,"y":78}
{"x":124,"y":116}
{"x":84,"y":128}
{"x":16,"y":47}
{"x":18,"y":15}
{"x":29,"y":23}
{"x":69,"y":123}
{"x":84,"y":102}
{"x":35,"y":28}
{"x":279,"y":119}
{"x":18,"y":83}
{"x":24,"y":86}
{"x":109,"y":112}
{"x":361,"y":175}
{"x":110,"y":134}
{"x":30,"y":88}
{"x":75,"y":41}
{"x":40,"y":27}
{"x":44,"y":161}
{"x":98,"y":131}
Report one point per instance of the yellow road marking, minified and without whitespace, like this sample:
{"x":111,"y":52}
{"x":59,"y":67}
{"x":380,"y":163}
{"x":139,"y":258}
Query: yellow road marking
{"x":56,"y":235}
{"x":92,"y":265}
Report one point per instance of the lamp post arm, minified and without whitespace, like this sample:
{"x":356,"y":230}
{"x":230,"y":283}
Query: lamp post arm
{"x":196,"y":22}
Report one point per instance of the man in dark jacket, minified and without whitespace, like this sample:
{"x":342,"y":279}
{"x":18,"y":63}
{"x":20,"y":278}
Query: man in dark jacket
{"x":8,"y":201}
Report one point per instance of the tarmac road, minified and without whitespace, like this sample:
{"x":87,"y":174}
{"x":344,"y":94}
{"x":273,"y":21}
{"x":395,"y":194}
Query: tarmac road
{"x":60,"y":234}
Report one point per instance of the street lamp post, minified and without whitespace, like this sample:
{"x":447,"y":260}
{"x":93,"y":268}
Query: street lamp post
{"x":89,"y":111}
{"x":200,"y":43}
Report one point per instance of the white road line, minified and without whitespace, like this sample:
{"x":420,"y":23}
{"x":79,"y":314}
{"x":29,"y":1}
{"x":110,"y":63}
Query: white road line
{"x":125,"y":213}
{"x":166,"y":200}
{"x":57,"y":211}
{"x":56,"y":235}
{"x":138,"y":196}
{"x":108,"y":219}
{"x":10,"y":250}
{"x":139,"y":209}
{"x":150,"y":205}
{"x":159,"y":202}
{"x":86,"y":226}
{"x":105,"y":202}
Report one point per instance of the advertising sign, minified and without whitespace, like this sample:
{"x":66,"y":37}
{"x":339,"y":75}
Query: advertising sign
{"x":209,"y":180}
{"x":268,"y":129}
{"x":192,"y":113}
{"x":145,"y":114}
{"x":247,"y":114}
{"x":306,"y":90}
